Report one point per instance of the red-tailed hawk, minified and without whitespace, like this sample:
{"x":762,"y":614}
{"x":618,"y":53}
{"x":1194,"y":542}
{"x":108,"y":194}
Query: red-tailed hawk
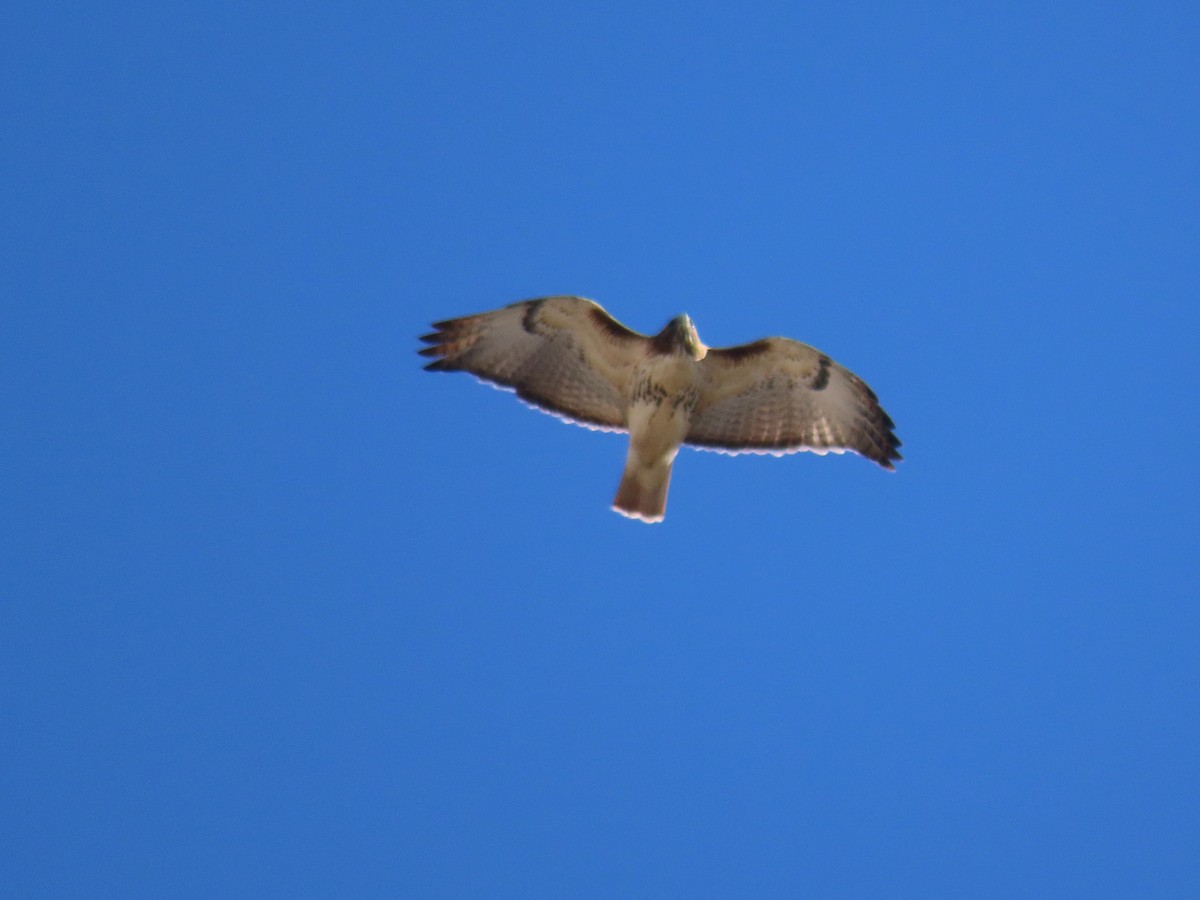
{"x":568,"y":357}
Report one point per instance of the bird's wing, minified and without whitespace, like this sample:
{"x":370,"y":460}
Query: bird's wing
{"x":563,"y":355}
{"x":780,"y":396}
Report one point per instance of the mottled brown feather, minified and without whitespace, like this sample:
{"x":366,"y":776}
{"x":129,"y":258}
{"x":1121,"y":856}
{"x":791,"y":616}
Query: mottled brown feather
{"x":780,"y":396}
{"x":563,"y":355}
{"x":568,"y":357}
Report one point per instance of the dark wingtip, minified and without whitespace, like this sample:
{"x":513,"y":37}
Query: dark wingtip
{"x":886,"y":453}
{"x":435,"y":337}
{"x":440,"y":365}
{"x":431,"y":351}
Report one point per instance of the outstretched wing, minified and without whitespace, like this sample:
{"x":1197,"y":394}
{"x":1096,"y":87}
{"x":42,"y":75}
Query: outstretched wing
{"x":780,"y":396}
{"x":564,"y":355}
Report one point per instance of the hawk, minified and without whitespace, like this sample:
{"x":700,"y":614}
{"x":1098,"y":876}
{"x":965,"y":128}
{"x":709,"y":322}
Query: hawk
{"x":570,"y":358}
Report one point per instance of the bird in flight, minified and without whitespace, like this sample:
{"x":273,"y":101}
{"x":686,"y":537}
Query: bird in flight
{"x":570,"y":358}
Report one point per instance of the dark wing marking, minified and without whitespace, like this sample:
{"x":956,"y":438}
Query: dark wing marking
{"x":780,"y":396}
{"x":563,"y":355}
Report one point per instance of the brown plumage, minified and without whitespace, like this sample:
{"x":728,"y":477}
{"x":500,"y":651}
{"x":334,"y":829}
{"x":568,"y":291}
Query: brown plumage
{"x":568,"y":357}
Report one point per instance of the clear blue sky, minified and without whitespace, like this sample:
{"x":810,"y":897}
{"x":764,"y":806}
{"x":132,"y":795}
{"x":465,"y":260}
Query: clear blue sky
{"x":284,"y":615}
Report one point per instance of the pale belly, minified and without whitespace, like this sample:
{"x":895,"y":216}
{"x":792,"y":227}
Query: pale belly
{"x":663,"y":400}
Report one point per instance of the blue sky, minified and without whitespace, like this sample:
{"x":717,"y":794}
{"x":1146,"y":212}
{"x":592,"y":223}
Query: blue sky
{"x":285,"y":615}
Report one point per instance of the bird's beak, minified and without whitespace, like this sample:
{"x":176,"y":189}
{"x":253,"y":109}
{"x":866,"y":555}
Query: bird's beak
{"x":699,"y":349}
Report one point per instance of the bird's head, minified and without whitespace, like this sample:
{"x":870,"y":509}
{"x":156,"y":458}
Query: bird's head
{"x":680,"y":336}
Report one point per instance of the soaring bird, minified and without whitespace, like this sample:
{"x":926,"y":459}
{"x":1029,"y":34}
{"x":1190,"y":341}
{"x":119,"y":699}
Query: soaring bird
{"x":570,"y":358}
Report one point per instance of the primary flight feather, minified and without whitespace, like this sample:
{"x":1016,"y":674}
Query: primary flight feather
{"x":568,"y":357}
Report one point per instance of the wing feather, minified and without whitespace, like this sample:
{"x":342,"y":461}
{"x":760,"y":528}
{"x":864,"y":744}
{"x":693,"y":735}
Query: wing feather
{"x":563,"y":355}
{"x":781,"y":396}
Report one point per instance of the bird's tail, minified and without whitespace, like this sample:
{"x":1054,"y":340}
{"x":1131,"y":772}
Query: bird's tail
{"x":642,"y":493}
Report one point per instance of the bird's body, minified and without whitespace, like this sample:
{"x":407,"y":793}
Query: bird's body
{"x":665,"y":390}
{"x":567,"y":356}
